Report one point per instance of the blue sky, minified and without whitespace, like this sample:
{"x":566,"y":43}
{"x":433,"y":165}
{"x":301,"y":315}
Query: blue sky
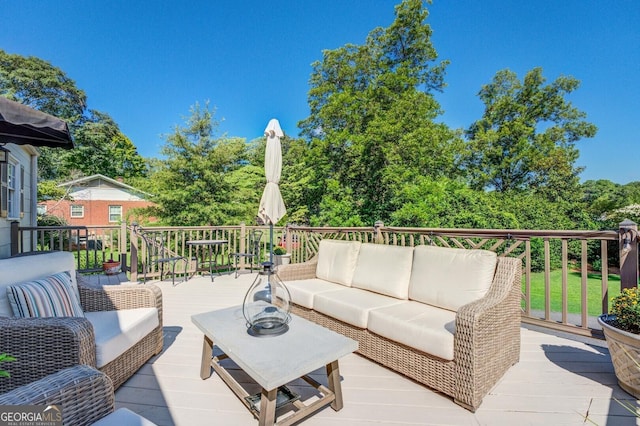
{"x":146,"y":63}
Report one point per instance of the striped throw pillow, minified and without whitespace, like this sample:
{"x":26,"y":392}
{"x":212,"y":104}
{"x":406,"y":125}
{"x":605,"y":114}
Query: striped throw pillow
{"x":52,"y":296}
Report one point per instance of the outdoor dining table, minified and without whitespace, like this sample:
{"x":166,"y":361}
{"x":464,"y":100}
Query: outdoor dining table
{"x":206,"y":254}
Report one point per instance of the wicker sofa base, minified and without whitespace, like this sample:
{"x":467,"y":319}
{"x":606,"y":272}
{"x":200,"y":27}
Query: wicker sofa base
{"x":431,"y":371}
{"x":123,"y":367}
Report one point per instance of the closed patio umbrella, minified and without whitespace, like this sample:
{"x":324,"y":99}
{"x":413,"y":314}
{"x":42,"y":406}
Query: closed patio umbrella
{"x":272,"y":207}
{"x":23,"y":125}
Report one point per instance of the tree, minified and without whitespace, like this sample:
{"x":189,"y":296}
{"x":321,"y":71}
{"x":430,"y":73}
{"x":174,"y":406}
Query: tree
{"x":526,"y":136}
{"x":37,"y":83}
{"x":192,"y":186}
{"x":103,"y":148}
{"x":372,"y":119}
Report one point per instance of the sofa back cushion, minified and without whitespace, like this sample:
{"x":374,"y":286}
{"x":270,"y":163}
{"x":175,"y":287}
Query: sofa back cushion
{"x":450,"y":278}
{"x":16,"y":270}
{"x":45,"y":297}
{"x":337,"y":261}
{"x":384,"y":269}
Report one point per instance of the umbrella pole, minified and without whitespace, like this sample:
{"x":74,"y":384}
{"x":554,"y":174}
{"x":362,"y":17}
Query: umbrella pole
{"x":271,"y":242}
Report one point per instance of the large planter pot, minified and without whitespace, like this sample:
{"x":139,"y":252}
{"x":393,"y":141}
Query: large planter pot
{"x":624,"y":348}
{"x":111,"y":268}
{"x":281,"y":259}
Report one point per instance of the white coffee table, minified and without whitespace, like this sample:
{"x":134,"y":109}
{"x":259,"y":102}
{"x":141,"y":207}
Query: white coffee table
{"x":274,"y":361}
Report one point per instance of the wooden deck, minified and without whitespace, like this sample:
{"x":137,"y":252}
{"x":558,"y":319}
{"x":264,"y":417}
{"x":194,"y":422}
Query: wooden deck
{"x":558,"y":381}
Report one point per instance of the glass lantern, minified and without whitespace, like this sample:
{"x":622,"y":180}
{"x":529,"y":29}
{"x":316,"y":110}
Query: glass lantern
{"x":266,"y":304}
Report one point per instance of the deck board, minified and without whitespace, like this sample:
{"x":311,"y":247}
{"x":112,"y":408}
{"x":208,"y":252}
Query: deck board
{"x":558,"y":380}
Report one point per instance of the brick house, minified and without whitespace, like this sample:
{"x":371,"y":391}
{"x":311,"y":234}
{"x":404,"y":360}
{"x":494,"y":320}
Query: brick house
{"x":97,"y":200}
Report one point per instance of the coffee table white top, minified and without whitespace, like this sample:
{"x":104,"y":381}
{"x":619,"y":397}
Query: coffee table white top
{"x":275,"y":360}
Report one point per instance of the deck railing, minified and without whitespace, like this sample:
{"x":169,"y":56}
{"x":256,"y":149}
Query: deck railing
{"x":551,"y":256}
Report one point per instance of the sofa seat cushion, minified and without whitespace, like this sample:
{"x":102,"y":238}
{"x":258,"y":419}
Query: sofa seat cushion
{"x":384,"y":269}
{"x":419,"y":326}
{"x":337,"y":261}
{"x":52,"y":296}
{"x":303,"y":291}
{"x":117,"y":331}
{"x":450,"y":278}
{"x":351,"y":305}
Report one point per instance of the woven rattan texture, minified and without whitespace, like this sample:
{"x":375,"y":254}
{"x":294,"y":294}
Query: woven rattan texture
{"x":127,"y":297}
{"x":486,"y":344}
{"x":84,"y":394}
{"x":43,"y":346}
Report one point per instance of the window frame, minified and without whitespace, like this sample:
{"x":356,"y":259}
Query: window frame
{"x":119,"y":219}
{"x":71,"y":214}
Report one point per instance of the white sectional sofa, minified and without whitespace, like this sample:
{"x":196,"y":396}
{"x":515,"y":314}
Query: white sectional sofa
{"x":115,"y":329}
{"x":448,"y":318}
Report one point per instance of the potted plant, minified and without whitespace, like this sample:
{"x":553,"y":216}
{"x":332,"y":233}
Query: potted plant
{"x":280,"y":256}
{"x":5,"y":358}
{"x":622,"y":331}
{"x":111,"y":267}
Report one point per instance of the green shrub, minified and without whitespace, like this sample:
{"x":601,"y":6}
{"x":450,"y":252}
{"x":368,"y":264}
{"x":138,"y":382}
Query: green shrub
{"x":279,"y":250}
{"x":626,"y":308}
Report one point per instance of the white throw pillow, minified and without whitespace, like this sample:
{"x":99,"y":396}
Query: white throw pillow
{"x":337,"y":261}
{"x":450,"y":278}
{"x":384,"y":269}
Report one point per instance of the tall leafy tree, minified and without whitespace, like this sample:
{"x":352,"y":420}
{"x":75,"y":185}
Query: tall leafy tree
{"x":35,"y":82}
{"x":190,"y":182}
{"x":372,"y":118}
{"x":103,"y":148}
{"x":100,"y":145}
{"x":526,"y":137}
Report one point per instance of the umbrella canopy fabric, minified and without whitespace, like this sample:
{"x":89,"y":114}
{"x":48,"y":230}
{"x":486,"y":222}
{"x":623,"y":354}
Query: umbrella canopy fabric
{"x":272,"y":207}
{"x":23,"y":125}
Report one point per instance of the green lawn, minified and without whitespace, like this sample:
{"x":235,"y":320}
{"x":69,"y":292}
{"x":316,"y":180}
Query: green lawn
{"x":594,"y":291}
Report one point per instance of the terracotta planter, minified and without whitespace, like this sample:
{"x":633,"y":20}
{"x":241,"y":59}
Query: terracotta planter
{"x":111,"y":268}
{"x":624,"y":348}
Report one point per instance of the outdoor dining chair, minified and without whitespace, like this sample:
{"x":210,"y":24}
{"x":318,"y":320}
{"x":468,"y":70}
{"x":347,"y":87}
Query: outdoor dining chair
{"x":159,"y":254}
{"x":252,"y":253}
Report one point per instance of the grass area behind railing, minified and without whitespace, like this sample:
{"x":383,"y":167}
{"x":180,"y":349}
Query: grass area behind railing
{"x":574,"y":286}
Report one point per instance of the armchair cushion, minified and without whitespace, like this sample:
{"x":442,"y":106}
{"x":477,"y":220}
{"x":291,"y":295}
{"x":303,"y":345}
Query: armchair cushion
{"x":27,"y":268}
{"x":52,"y":296}
{"x":117,"y":331}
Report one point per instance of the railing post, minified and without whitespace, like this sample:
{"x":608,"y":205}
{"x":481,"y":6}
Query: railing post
{"x":243,"y":237}
{"x":122,"y":243}
{"x":289,"y":238}
{"x":15,"y":237}
{"x":377,"y":228}
{"x":133,"y":239}
{"x":628,"y":241}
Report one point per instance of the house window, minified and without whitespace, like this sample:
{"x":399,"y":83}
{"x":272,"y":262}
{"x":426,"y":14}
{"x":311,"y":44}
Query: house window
{"x":13,"y":190}
{"x":77,"y":210}
{"x":115,"y":213}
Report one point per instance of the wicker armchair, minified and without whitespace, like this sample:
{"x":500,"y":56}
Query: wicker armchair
{"x":83,"y":393}
{"x":43,"y":346}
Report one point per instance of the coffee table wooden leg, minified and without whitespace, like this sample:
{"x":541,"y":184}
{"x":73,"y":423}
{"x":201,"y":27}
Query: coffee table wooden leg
{"x":268,"y":407}
{"x":333,"y":374}
{"x":207,"y":355}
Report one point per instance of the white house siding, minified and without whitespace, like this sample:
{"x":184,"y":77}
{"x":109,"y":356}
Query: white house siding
{"x":101,"y":190}
{"x":23,"y":155}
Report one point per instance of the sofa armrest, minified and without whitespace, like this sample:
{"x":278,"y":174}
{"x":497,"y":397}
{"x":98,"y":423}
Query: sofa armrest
{"x":43,"y":346}
{"x":124,"y":296}
{"x":298,"y":271}
{"x":83,"y":393}
{"x":487,"y":338}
